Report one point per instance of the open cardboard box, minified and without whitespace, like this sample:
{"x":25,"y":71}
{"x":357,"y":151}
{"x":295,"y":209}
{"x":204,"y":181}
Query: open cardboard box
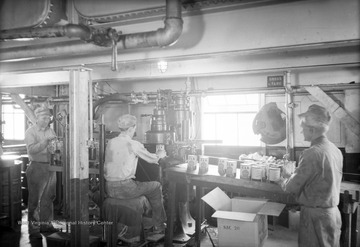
{"x":242,"y":221}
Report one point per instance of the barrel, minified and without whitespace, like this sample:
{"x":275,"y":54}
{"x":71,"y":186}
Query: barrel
{"x":10,"y":190}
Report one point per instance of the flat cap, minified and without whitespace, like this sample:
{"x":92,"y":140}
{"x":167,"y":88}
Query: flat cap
{"x":316,"y":116}
{"x":126,"y":121}
{"x":42,"y":111}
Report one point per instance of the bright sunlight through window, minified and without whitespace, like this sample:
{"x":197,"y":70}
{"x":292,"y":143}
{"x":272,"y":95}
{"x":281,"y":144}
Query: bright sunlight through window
{"x":14,"y":127}
{"x":229,"y":118}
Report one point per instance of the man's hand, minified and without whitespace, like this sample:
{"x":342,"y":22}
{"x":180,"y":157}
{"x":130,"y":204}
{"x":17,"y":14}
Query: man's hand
{"x":161,"y":153}
{"x":282,"y":182}
{"x":167,"y":161}
{"x":286,"y":172}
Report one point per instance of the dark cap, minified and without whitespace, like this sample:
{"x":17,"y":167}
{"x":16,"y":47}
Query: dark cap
{"x":316,"y":116}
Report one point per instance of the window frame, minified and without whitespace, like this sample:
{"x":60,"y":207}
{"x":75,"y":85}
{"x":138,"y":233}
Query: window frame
{"x":205,"y":111}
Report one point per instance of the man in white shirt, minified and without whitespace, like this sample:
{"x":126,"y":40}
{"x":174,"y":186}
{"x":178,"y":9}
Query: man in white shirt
{"x":121,"y":159}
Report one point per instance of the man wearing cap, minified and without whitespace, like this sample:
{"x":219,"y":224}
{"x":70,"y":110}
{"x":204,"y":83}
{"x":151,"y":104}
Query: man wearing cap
{"x":41,"y":181}
{"x":316,"y":182}
{"x":121,"y":158}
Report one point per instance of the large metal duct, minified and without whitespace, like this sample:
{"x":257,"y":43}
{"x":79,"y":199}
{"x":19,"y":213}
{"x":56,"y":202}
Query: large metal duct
{"x":165,"y":36}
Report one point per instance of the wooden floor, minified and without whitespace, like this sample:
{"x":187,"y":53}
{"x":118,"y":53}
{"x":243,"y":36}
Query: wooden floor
{"x":279,"y":236}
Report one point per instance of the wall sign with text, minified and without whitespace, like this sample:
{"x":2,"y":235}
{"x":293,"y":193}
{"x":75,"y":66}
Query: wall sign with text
{"x":275,"y":81}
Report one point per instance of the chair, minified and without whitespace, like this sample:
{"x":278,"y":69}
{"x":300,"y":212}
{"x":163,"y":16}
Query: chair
{"x":118,"y":212}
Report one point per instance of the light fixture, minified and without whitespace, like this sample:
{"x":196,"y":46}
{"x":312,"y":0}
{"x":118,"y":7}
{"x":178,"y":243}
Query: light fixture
{"x":162,"y":66}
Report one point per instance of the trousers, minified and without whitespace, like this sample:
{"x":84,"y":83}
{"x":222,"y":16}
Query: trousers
{"x":42,"y":186}
{"x":319,"y":227}
{"x":129,"y":189}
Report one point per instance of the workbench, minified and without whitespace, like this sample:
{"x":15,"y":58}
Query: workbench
{"x":243,"y":187}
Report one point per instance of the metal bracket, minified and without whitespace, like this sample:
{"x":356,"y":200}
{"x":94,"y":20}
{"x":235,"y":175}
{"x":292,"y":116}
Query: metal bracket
{"x":292,"y":105}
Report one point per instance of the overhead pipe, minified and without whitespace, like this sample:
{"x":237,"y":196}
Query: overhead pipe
{"x":113,"y":97}
{"x":168,"y":35}
{"x":69,"y":30}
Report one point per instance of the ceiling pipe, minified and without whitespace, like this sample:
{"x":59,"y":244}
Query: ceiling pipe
{"x":98,"y":105}
{"x":165,"y":36}
{"x":69,"y":30}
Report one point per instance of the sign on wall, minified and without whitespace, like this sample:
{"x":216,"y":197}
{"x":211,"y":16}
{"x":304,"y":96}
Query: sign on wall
{"x":275,"y":81}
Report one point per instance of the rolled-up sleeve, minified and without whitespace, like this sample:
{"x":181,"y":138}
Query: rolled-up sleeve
{"x":143,"y":153}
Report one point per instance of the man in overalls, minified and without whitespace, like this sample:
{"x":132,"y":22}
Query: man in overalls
{"x":41,"y":181}
{"x":316,"y":182}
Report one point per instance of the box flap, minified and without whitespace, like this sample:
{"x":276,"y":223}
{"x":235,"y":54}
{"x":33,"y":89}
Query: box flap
{"x":272,"y":208}
{"x":218,"y":200}
{"x":247,"y":205}
{"x":234,"y":215}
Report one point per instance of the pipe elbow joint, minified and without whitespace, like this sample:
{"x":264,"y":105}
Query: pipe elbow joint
{"x":170,"y":34}
{"x":80,"y":31}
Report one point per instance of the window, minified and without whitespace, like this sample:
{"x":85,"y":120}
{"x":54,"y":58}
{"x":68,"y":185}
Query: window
{"x":229,"y":118}
{"x":14,"y":126}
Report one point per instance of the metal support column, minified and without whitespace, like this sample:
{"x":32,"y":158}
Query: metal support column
{"x":102,"y":141}
{"x":79,"y":155}
{"x":289,"y":104}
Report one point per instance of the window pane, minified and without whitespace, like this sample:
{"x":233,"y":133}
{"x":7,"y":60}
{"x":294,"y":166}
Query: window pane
{"x":226,"y":125}
{"x":247,"y":136}
{"x":19,"y":127}
{"x":209,"y":127}
{"x":14,"y":127}
{"x":229,"y":118}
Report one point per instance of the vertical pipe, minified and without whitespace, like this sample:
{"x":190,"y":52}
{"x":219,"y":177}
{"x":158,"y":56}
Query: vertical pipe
{"x":1,"y":151}
{"x":79,"y":156}
{"x":289,"y":104}
{"x":66,"y":175}
{"x":101,"y":162}
{"x":90,"y":107}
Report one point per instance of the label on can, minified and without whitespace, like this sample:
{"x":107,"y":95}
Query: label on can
{"x":192,"y":163}
{"x":274,"y":174}
{"x":245,"y":170}
{"x":256,"y":172}
{"x":222,"y":166}
{"x":203,"y":164}
{"x":231,"y":168}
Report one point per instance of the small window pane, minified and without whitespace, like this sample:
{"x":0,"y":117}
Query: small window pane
{"x":14,"y":126}
{"x":229,"y":118}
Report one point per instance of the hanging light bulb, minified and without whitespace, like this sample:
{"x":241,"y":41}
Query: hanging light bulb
{"x":162,"y":66}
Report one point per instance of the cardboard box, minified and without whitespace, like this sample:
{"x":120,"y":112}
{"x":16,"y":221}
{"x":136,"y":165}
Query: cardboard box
{"x":242,"y":221}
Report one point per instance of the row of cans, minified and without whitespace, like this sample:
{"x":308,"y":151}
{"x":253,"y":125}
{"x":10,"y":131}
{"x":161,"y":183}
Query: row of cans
{"x":260,"y":172}
{"x":203,"y":163}
{"x":225,"y":167}
{"x":228,"y":168}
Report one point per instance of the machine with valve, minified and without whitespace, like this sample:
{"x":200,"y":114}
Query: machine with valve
{"x":171,"y":128}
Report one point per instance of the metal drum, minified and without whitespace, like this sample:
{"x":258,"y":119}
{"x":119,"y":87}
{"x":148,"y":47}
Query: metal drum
{"x":10,"y":182}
